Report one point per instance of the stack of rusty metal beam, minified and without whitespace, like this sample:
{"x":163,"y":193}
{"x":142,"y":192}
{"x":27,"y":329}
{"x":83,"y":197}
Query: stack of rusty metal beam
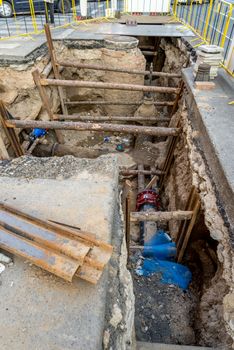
{"x":65,"y":252}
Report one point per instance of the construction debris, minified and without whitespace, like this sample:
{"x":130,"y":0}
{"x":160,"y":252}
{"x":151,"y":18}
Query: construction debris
{"x":61,"y":251}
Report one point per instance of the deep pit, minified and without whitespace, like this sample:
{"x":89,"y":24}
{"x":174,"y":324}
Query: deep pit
{"x":164,"y":313}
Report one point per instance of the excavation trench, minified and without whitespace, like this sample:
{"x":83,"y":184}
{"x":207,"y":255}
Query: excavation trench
{"x":164,"y":312}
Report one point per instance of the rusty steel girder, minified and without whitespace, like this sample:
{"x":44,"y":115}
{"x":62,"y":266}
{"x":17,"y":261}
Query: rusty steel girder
{"x":61,"y":251}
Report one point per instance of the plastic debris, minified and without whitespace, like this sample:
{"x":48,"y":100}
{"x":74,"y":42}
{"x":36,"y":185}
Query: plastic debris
{"x":171,"y":272}
{"x":120,"y":147}
{"x":106,"y":139}
{"x":37,"y":133}
{"x":159,"y":253}
{"x":2,"y":268}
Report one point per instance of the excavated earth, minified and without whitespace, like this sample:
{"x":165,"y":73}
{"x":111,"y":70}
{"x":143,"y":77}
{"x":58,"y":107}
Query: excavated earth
{"x":163,"y":313}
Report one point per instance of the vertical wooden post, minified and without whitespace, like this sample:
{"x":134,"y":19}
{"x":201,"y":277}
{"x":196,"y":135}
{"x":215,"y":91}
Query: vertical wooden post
{"x":55,"y":66}
{"x":46,"y":102}
{"x":168,"y":161}
{"x":10,"y":134}
{"x":3,"y":150}
{"x":127,"y":223}
{"x":178,"y":97}
{"x":186,"y":227}
{"x":141,"y":178}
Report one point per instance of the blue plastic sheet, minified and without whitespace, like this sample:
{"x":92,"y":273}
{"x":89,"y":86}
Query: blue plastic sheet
{"x":171,"y":272}
{"x":159,"y":252}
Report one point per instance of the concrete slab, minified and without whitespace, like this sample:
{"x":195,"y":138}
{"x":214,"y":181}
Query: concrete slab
{"x":144,"y":19}
{"x":94,"y":31}
{"x":38,"y":310}
{"x":21,"y":49}
{"x":213,"y":116}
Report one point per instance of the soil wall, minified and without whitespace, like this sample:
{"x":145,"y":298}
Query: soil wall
{"x":214,"y":324}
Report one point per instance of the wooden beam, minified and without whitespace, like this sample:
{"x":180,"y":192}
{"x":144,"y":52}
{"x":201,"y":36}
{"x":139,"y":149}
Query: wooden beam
{"x":129,"y":129}
{"x":10,"y":134}
{"x":189,"y":231}
{"x":108,"y":86}
{"x":3,"y":150}
{"x":120,"y":70}
{"x":136,"y":172}
{"x":116,"y":103}
{"x":46,"y":102}
{"x":141,"y":178}
{"x":161,"y":215}
{"x":109,"y":118}
{"x":54,"y":65}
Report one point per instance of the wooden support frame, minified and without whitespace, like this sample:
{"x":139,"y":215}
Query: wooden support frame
{"x":135,"y":172}
{"x":118,"y":70}
{"x":54,"y":65}
{"x":186,"y":227}
{"x":178,"y":97}
{"x":108,"y":86}
{"x":117,"y":103}
{"x":128,"y":129}
{"x":10,"y":134}
{"x":103,"y":118}
{"x":3,"y":150}
{"x":59,"y":63}
{"x":158,"y":216}
{"x":46,"y":102}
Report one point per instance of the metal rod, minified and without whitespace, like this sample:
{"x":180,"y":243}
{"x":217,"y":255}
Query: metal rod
{"x":108,"y":86}
{"x":120,"y":70}
{"x":129,"y":129}
{"x":109,"y":118}
{"x":161,"y":215}
{"x":158,"y":103}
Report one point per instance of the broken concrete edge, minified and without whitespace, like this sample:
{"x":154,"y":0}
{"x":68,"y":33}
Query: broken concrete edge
{"x":41,"y":50}
{"x":223,"y":189}
{"x":73,"y":43}
{"x":120,"y":301}
{"x":30,"y":59}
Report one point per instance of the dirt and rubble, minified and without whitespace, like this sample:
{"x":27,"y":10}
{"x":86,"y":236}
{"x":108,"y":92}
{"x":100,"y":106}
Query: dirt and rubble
{"x":163,"y":313}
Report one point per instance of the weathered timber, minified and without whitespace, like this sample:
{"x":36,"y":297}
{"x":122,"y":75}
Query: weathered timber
{"x":136,"y":172}
{"x":141,"y":178}
{"x":161,"y":215}
{"x":108,"y":118}
{"x":54,"y":65}
{"x":116,"y":103}
{"x":10,"y":134}
{"x":47,"y":70}
{"x":120,"y":70}
{"x":129,"y":129}
{"x":108,"y":86}
{"x":45,"y":101}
